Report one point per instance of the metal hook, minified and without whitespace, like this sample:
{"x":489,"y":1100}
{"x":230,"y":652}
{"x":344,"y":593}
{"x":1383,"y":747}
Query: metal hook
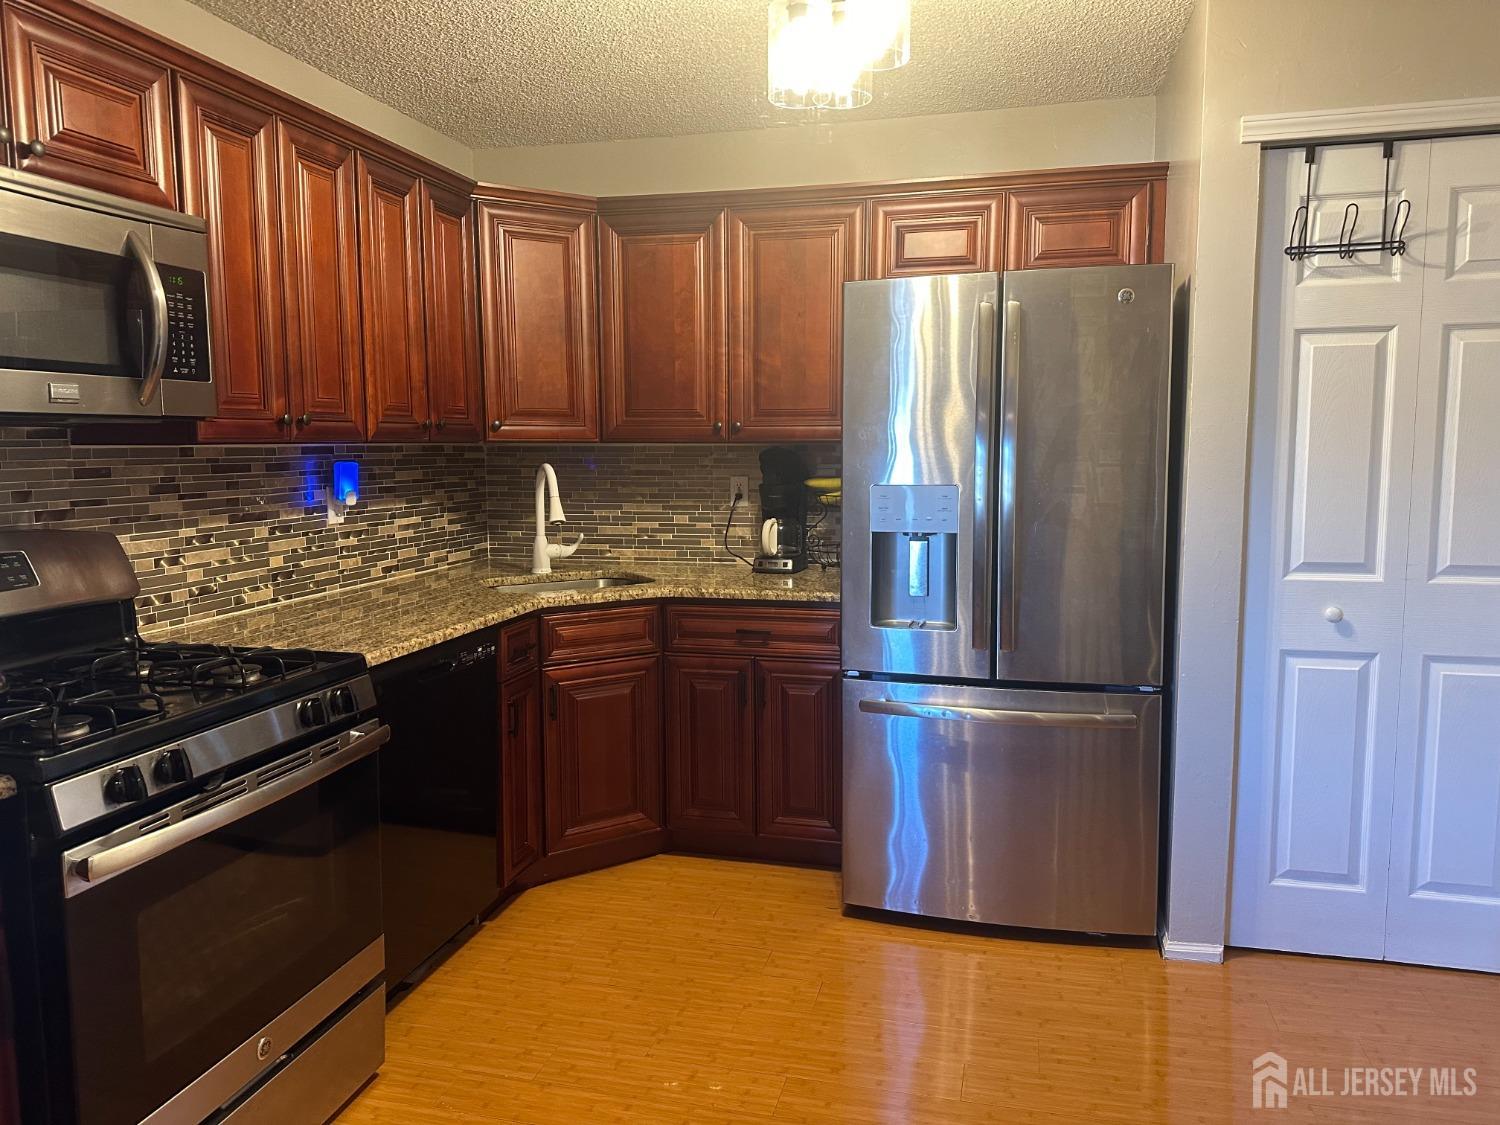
{"x":1346,"y":231}
{"x":1296,"y":243}
{"x":1398,"y":227}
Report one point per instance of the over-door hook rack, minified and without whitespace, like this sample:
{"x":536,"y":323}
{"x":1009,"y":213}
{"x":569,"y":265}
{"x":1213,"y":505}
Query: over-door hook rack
{"x":1346,"y":247}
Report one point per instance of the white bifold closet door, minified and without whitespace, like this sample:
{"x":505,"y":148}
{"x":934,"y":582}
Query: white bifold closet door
{"x":1368,"y":804}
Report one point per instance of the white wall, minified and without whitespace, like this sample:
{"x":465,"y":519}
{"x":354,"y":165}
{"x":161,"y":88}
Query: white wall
{"x":1119,"y":131}
{"x":192,"y":27}
{"x":1262,"y":56}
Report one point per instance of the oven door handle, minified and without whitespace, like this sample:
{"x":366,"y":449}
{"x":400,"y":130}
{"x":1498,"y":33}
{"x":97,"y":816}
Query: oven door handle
{"x":156,"y":350}
{"x":90,"y":871}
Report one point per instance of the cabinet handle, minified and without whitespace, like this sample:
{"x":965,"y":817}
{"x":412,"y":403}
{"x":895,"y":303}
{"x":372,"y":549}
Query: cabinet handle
{"x":734,"y":427}
{"x":513,"y":726}
{"x":284,"y":420}
{"x":552,"y":701}
{"x":521,"y":653}
{"x":495,"y":426}
{"x":756,"y":636}
{"x":304,"y":419}
{"x":33,"y":148}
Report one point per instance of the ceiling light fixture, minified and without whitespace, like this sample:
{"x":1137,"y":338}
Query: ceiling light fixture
{"x":821,"y":54}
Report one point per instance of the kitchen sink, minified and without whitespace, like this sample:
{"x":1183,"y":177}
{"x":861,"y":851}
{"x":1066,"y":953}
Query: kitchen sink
{"x":565,"y":585}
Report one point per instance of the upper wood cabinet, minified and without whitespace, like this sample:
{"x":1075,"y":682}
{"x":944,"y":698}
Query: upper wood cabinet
{"x":453,"y":384}
{"x":1091,"y":224}
{"x":663,"y":324}
{"x":320,"y":265}
{"x":228,"y":157}
{"x":787,"y":268}
{"x":537,"y":317}
{"x":87,"y":110}
{"x":946,"y":232}
{"x":391,"y":307}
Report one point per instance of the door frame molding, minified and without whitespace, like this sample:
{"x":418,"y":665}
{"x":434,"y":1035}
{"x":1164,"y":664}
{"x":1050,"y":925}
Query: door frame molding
{"x":1403,"y":119}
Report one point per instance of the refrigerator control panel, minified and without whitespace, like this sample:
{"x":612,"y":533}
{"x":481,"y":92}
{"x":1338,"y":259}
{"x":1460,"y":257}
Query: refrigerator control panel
{"x":925,"y":508}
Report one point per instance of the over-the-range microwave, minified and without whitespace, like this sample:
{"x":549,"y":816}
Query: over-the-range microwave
{"x":103,"y":306}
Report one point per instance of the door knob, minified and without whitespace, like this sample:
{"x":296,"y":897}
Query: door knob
{"x":1333,"y":613}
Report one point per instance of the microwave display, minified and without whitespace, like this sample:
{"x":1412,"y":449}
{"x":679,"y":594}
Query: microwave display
{"x":187,"y":323}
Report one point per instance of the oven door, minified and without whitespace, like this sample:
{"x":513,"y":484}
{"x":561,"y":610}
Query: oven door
{"x":100,"y":314}
{"x":252,"y":915}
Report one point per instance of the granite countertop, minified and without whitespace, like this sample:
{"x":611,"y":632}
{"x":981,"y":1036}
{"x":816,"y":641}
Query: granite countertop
{"x":388,"y":619}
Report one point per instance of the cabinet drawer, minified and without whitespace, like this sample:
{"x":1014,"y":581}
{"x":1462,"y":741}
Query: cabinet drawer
{"x":600,"y":634}
{"x":740,"y":629}
{"x":519,"y":648}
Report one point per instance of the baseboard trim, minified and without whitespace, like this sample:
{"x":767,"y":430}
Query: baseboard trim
{"x":1202,"y":951}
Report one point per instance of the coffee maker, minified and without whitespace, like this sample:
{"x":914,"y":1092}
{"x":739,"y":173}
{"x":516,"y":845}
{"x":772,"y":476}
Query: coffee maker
{"x":783,"y":508}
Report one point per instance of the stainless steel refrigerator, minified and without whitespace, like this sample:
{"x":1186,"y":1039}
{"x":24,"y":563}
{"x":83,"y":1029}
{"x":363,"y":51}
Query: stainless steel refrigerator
{"x":1004,"y":541}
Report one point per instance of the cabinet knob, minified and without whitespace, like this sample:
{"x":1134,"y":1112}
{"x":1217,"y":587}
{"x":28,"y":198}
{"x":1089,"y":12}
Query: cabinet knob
{"x":6,"y":136}
{"x":303,"y":419}
{"x":1333,"y":613}
{"x":718,"y":427}
{"x":34,"y":148}
{"x":442,"y":423}
{"x":284,"y":420}
{"x":495,"y":426}
{"x":734,"y":427}
{"x":426,"y":424}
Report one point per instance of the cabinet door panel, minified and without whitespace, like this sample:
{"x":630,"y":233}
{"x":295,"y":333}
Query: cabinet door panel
{"x":537,"y":314}
{"x":520,"y":776}
{"x":937,"y":233}
{"x":102,"y":113}
{"x":322,"y":291}
{"x":452,"y":315}
{"x":229,"y":179}
{"x":800,"y":783}
{"x":710,"y":744}
{"x":603,"y":752}
{"x":391,"y":314}
{"x":662,"y":309}
{"x":1080,"y":225}
{"x":787,"y":268}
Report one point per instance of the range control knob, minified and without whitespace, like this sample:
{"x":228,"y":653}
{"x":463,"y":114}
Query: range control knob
{"x":341,"y":701}
{"x":125,"y":785}
{"x":311,"y":713}
{"x":170,"y":767}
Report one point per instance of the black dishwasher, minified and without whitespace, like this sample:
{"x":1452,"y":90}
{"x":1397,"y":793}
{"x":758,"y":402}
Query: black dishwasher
{"x":439,"y":796}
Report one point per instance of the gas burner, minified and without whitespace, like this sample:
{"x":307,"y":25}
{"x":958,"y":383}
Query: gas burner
{"x":54,"y":719}
{"x":236,"y":675}
{"x":48,"y":731}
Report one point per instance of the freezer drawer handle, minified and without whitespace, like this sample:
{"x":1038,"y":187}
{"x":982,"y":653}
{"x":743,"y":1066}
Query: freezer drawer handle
{"x":902,"y":709}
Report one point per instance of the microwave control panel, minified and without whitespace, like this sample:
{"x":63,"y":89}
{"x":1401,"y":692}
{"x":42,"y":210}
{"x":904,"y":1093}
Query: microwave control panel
{"x":187,"y":323}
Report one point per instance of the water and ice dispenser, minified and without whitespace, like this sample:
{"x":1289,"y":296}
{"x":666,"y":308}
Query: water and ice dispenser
{"x":913,"y":556}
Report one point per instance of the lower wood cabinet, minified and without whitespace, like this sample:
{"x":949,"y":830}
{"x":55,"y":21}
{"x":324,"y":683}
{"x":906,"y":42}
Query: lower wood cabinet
{"x":603,"y":752}
{"x":521,"y":840}
{"x":710,"y":744}
{"x":800,"y":780}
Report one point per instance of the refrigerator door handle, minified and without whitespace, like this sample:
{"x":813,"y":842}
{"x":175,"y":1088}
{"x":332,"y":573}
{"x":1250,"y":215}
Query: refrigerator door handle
{"x":1090,"y":719}
{"x":1010,"y":376}
{"x":984,"y":409}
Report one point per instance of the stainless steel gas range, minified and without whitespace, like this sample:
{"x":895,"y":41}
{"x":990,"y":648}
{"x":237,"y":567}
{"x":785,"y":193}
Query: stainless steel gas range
{"x":190,"y":866}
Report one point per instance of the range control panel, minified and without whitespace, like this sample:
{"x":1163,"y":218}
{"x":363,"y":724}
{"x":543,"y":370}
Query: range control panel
{"x":187,"y":323}
{"x":16,"y":572}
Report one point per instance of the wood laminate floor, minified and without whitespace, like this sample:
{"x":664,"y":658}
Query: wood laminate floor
{"x":680,"y":989}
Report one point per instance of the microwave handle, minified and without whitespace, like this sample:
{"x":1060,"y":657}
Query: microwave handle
{"x":156,"y":351}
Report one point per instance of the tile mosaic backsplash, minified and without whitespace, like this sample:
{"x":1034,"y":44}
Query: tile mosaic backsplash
{"x":217,"y":528}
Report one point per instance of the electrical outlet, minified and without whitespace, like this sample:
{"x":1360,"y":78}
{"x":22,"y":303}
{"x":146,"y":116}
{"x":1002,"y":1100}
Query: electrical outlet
{"x":739,"y":489}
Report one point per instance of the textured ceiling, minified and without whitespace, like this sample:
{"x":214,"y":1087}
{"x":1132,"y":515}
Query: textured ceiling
{"x":529,"y":72}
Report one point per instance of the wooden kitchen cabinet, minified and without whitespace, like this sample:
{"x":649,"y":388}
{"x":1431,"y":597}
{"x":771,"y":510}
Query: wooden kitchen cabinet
{"x":537,"y":316}
{"x":710,"y":741}
{"x":787,"y":267}
{"x":521,"y":769}
{"x":1091,"y":224}
{"x":392,"y":316}
{"x":321,"y":284}
{"x":947,"y":232}
{"x":800,"y":771}
{"x":453,"y":382}
{"x":603,"y":752}
{"x":86,"y":109}
{"x":663,"y":323}
{"x":228,"y":157}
